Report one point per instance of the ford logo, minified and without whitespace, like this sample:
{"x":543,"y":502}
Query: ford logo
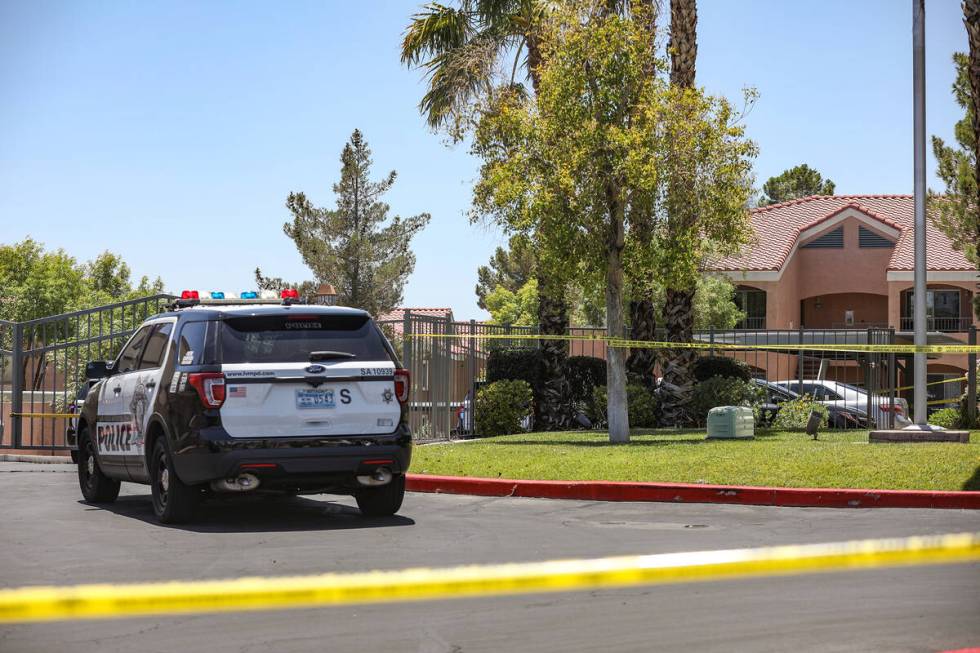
{"x":316,"y":369}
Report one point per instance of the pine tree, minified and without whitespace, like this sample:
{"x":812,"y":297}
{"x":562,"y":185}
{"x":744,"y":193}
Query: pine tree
{"x":356,"y":247}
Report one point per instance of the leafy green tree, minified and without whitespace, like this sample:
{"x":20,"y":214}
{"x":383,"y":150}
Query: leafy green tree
{"x":517,"y":308}
{"x":306,"y":289}
{"x":714,"y":303}
{"x":35,"y":283}
{"x":957,"y":211}
{"x":509,"y":268}
{"x":356,"y":247}
{"x":801,"y":181}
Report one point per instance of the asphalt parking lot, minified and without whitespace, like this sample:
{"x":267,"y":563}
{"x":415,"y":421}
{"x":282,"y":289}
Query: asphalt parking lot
{"x":49,"y":536}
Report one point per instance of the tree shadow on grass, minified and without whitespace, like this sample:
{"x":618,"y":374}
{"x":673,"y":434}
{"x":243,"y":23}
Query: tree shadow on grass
{"x":973,"y":483}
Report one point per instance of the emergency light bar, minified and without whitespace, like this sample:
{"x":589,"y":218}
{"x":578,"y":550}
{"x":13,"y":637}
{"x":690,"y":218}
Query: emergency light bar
{"x":190,"y":298}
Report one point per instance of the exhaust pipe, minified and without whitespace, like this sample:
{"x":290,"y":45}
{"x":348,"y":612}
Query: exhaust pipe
{"x":380,"y":476}
{"x":240,"y":483}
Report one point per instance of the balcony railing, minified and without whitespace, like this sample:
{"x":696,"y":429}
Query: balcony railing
{"x":953,"y":324}
{"x":752,"y":323}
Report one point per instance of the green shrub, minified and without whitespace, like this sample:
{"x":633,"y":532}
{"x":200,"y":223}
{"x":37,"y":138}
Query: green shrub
{"x":584,"y":373}
{"x":515,"y":363}
{"x":708,"y":366}
{"x":963,"y":421}
{"x":501,"y":407}
{"x":795,"y":414}
{"x":949,"y":418}
{"x":722,"y":391}
{"x":642,"y":407}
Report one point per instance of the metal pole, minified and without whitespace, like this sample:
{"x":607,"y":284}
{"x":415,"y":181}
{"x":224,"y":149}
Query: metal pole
{"x":971,"y":382}
{"x":919,"y":149}
{"x":17,"y":385}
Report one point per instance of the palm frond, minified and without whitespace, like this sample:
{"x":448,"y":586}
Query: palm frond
{"x":436,"y":30}
{"x":458,"y":76}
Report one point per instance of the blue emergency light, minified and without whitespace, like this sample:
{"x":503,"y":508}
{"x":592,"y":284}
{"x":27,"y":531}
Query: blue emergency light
{"x":248,"y":294}
{"x":217,"y":295}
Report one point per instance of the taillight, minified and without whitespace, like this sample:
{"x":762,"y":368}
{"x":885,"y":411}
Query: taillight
{"x":210,"y":387}
{"x":401,"y":385}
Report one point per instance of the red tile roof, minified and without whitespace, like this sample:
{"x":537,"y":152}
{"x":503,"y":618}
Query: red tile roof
{"x":778,"y":226}
{"x":399,"y":313}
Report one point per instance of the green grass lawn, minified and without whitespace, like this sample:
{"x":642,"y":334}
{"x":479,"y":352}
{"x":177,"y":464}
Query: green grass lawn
{"x":777,"y":458}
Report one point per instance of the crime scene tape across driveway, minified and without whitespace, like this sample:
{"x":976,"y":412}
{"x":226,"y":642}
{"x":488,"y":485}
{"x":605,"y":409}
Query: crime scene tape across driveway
{"x":109,"y":601}
{"x":658,"y":344}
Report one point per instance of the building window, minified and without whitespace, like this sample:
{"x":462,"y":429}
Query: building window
{"x":830,"y":240}
{"x":752,"y":302}
{"x":942,"y":311}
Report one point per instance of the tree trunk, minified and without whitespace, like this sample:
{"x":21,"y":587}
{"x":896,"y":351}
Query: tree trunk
{"x":678,"y":382}
{"x":643,"y":326}
{"x":971,"y":19}
{"x":553,"y":410}
{"x":617,"y":406}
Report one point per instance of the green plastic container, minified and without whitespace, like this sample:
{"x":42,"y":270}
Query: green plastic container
{"x":731,"y":422}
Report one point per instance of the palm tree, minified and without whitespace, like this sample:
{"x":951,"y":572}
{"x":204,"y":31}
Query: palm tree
{"x":678,"y":378}
{"x":643,"y":311}
{"x":462,"y":50}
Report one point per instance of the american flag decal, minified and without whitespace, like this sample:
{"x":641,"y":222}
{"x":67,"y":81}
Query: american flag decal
{"x":237,"y":391}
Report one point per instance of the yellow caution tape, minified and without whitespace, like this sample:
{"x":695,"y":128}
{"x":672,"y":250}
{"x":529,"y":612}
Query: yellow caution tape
{"x":912,"y":387}
{"x":654,"y":344}
{"x":68,"y":415}
{"x":105,"y":601}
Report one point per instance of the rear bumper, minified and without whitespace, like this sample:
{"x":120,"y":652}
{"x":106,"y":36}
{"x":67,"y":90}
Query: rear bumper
{"x":295,"y":462}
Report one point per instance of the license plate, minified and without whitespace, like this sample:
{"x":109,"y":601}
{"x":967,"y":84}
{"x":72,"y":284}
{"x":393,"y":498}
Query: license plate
{"x":315,"y":399}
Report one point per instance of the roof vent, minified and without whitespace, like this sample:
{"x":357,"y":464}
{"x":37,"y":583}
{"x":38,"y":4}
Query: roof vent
{"x":869,"y":239}
{"x":830,"y":240}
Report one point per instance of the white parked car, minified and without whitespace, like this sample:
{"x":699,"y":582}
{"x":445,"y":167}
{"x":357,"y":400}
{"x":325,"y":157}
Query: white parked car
{"x":845,"y":395}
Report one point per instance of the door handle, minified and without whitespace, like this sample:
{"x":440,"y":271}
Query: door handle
{"x":116,"y":390}
{"x":151,"y":384}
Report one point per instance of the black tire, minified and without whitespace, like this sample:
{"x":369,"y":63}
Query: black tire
{"x":96,"y":487}
{"x":382,"y":501}
{"x":174,"y":501}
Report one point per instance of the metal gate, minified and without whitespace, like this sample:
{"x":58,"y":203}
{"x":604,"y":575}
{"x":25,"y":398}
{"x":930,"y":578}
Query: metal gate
{"x":42,"y":366}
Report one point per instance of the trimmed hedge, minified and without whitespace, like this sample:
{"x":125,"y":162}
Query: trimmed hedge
{"x":722,"y":391}
{"x":584,"y":373}
{"x":501,"y":407}
{"x":515,"y":363}
{"x":710,"y":366}
{"x":642,"y":406}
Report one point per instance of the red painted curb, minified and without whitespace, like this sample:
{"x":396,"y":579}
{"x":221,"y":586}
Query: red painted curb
{"x":688,"y":493}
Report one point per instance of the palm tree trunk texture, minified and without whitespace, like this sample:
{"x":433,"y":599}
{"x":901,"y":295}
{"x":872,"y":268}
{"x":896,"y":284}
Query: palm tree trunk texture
{"x":971,"y":20}
{"x":678,"y":380}
{"x":643,"y":312}
{"x":552,"y":411}
{"x":643,"y":326}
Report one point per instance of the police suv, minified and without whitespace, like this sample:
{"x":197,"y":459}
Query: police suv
{"x":248,"y":395}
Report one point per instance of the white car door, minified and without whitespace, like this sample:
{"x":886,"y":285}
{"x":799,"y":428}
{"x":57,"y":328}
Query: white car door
{"x":139,"y":390}
{"x":113,"y":425}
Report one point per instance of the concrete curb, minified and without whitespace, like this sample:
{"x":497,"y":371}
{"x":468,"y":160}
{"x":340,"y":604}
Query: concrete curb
{"x":24,"y":458}
{"x":687,"y":493}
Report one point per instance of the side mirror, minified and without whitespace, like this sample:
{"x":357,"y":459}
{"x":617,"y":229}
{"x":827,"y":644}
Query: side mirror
{"x":98,"y":369}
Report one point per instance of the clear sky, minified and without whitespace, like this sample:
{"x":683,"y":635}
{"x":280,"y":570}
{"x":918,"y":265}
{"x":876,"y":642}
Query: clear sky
{"x":172,"y":132}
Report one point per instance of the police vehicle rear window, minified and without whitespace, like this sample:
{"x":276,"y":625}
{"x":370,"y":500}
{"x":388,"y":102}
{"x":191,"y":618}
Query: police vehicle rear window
{"x":292,"y":338}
